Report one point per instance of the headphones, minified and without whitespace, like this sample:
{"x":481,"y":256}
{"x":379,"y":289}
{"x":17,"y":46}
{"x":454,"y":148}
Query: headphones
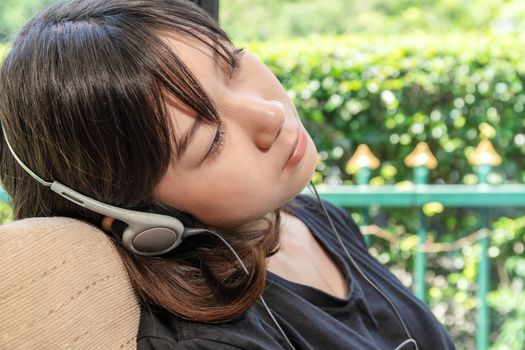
{"x":146,"y":234}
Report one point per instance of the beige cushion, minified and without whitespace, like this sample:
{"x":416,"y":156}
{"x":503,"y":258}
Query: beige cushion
{"x":63,"y":286}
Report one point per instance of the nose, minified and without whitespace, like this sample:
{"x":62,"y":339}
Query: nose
{"x":269,"y":116}
{"x":262,"y":118}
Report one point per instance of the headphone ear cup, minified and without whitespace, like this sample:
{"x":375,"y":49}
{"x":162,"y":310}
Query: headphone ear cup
{"x":150,"y":241}
{"x":152,"y":230}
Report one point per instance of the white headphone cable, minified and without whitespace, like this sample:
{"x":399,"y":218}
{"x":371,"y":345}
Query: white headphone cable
{"x":22,"y":164}
{"x":289,"y":343}
{"x":411,"y":339}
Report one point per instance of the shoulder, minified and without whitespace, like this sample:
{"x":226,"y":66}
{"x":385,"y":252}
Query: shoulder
{"x":160,"y":330}
{"x":158,"y":343}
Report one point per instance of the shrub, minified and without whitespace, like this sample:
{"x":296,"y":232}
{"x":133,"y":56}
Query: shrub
{"x":3,"y":50}
{"x":392,"y":92}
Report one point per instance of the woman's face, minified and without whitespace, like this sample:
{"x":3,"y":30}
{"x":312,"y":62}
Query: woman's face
{"x":259,"y":165}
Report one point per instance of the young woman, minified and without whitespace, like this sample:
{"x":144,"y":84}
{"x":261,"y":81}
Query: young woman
{"x":146,"y":105}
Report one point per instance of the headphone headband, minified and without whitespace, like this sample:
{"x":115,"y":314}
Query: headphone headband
{"x":147,"y":233}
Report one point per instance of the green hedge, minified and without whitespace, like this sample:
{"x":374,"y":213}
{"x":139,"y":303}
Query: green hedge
{"x":392,"y":92}
{"x":3,"y":50}
{"x":5,"y":209}
{"x":450,"y":91}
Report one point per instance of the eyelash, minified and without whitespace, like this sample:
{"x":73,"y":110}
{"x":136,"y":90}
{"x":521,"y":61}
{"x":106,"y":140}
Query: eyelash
{"x":238,"y":53}
{"x":218,"y":141}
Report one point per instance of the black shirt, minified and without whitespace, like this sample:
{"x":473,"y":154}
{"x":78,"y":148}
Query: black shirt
{"x":311,"y":318}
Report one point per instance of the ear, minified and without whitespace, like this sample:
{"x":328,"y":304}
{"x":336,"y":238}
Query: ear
{"x":106,"y":223}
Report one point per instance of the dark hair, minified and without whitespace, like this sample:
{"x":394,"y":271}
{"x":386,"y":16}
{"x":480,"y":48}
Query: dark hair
{"x":82,"y":99}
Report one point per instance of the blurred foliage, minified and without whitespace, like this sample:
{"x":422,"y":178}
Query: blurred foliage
{"x":13,"y":13}
{"x":271,"y":19}
{"x":508,"y":247}
{"x":6,"y":213}
{"x":391,"y":92}
{"x":3,"y":50}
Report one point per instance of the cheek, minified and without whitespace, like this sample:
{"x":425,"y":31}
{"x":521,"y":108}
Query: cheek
{"x":227,"y":204}
{"x":219,"y":197}
{"x":232,"y":199}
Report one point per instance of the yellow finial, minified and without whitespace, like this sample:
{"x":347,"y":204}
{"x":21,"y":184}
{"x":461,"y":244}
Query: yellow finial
{"x":485,"y":154}
{"x":421,"y":156}
{"x":363,"y":157}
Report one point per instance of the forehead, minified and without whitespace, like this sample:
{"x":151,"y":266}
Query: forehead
{"x":204,"y":62}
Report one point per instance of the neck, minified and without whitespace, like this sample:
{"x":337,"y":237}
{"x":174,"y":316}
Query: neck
{"x":302,"y":259}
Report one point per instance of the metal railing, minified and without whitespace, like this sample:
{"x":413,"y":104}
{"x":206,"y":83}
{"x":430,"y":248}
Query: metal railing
{"x":4,"y":197}
{"x":481,"y":196}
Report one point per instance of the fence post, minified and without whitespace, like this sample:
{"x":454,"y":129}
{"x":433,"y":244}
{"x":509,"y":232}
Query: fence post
{"x":363,"y":162}
{"x":421,"y":159}
{"x":484,"y":157}
{"x":4,"y":197}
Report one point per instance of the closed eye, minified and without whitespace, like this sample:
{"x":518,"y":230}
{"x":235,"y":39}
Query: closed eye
{"x":238,"y":54}
{"x":217,"y":143}
{"x":218,"y":139}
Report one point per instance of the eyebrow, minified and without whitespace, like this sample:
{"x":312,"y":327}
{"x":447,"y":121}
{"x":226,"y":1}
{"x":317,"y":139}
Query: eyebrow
{"x":187,"y":138}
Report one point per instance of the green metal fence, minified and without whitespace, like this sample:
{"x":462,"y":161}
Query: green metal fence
{"x":3,"y":196}
{"x":481,"y":196}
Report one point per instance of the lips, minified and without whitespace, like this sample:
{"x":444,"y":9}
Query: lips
{"x":298,"y":149}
